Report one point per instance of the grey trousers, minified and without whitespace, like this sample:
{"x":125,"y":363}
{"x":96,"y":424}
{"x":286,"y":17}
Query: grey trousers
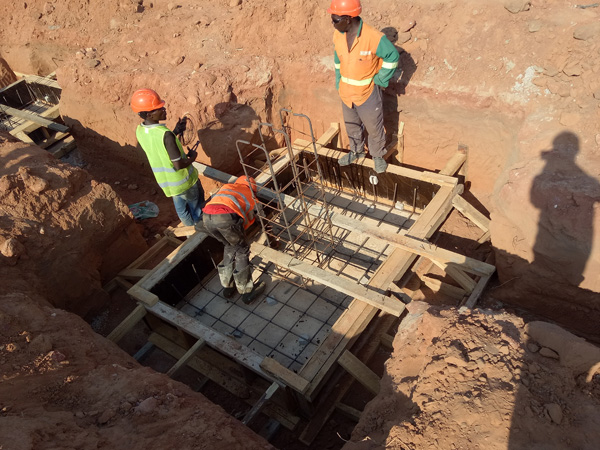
{"x":229,"y":230}
{"x":367,"y":116}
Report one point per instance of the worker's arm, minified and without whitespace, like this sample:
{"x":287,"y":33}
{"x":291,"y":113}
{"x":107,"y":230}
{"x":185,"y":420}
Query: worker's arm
{"x":179,"y":162}
{"x":338,"y":74}
{"x":390,"y":56}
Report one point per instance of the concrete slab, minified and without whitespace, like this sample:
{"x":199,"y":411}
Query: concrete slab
{"x":271,"y":335}
{"x":307,"y":327}
{"x":287,"y":317}
{"x":301,"y":300}
{"x":234,"y":316}
{"x":253,"y":325}
{"x":322,"y":310}
{"x":292,"y":345}
{"x":268,"y":308}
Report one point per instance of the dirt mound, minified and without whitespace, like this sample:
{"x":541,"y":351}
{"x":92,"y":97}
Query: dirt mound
{"x":483,"y":380}
{"x":61,"y":232}
{"x":64,"y":386}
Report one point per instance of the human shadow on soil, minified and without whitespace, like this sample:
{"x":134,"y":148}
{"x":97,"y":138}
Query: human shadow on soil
{"x":234,"y":121}
{"x":557,"y":222}
{"x":396,"y":88}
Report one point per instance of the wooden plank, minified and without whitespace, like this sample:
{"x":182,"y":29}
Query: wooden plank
{"x":350,"y":412}
{"x":149,"y":254}
{"x":23,"y":137}
{"x":181,"y":362}
{"x":60,"y":149}
{"x":232,"y":384}
{"x":28,"y":127}
{"x":484,"y":237}
{"x":216,"y":340}
{"x":133,"y":274}
{"x":466,"y":282}
{"x":46,"y":81}
{"x":127,"y":324}
{"x":413,"y":245}
{"x":260,"y":403}
{"x":467,"y":210}
{"x":183,"y":231}
{"x":143,"y":296}
{"x":53,"y":139}
{"x":360,"y":371}
{"x":358,"y":291}
{"x":387,"y":341}
{"x":329,"y":135}
{"x":454,"y":164}
{"x":481,"y":284}
{"x":157,"y":274}
{"x":430,"y":177}
{"x":284,"y":375}
{"x":447,"y":289}
{"x":34,"y":118}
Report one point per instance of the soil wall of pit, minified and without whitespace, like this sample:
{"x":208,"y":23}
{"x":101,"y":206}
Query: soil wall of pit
{"x":507,"y":79}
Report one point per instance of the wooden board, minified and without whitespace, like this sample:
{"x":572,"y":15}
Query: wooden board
{"x":37,"y":119}
{"x":181,"y":362}
{"x":216,"y":374}
{"x":127,"y":324}
{"x":467,"y":210}
{"x":360,"y":371}
{"x":430,"y":177}
{"x":358,"y":291}
{"x":226,"y":345}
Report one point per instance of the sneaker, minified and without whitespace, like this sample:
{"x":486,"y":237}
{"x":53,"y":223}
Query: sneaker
{"x":349,"y":158}
{"x":380,"y":164}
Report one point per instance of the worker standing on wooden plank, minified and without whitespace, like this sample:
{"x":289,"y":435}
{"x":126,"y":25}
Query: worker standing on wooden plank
{"x":172,"y":168}
{"x":365,"y":61}
{"x":225,"y":217}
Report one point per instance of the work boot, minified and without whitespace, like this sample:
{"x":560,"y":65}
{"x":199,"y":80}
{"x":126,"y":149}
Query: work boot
{"x":349,"y":158}
{"x":226,"y":278}
{"x":245,"y":285}
{"x":380,"y":164}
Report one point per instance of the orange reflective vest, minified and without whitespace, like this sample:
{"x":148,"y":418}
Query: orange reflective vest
{"x":373,"y":59}
{"x":239,"y":198}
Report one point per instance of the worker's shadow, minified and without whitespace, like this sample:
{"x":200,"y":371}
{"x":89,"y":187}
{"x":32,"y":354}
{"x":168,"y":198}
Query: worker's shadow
{"x":234,"y":121}
{"x":566,"y":223}
{"x":396,"y":88}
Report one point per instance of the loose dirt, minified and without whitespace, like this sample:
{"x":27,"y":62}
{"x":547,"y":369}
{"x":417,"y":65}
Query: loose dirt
{"x":516,"y":81}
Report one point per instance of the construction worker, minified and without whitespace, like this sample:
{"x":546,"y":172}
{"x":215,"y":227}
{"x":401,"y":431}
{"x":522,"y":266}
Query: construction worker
{"x":225,"y":217}
{"x":172,"y":168}
{"x":365,"y":61}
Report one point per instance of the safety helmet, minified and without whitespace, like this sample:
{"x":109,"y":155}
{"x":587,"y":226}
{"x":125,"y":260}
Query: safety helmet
{"x":248,"y":181}
{"x":350,"y":8}
{"x":146,"y":100}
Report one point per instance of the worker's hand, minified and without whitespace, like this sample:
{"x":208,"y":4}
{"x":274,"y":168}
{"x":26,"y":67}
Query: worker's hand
{"x":180,"y":126}
{"x":192,"y":154}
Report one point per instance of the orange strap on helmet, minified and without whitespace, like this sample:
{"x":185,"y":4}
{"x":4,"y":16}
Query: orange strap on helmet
{"x":146,"y":100}
{"x":248,"y":181}
{"x":350,"y":8}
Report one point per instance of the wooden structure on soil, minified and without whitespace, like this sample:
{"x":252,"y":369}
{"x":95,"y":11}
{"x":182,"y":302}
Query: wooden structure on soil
{"x":29,"y":108}
{"x":312,"y":394}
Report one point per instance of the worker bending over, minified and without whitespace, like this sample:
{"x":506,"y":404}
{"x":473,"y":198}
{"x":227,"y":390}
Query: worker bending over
{"x":225,"y":217}
{"x":365,"y":61}
{"x":172,"y":168}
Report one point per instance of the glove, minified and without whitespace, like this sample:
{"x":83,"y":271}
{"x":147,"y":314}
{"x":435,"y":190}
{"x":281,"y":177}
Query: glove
{"x":180,"y":127}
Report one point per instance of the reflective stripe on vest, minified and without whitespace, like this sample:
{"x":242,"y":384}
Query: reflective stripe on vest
{"x":232,"y":196}
{"x":351,"y":82}
{"x":172,"y":181}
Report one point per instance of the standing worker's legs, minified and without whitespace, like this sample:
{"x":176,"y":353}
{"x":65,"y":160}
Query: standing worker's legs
{"x":356,"y":136}
{"x":189,"y":204}
{"x":228,"y":229}
{"x":371,"y":115}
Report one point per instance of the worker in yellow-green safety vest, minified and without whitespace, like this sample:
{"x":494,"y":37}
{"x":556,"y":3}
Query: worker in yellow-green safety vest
{"x":172,"y":168}
{"x":365,"y":61}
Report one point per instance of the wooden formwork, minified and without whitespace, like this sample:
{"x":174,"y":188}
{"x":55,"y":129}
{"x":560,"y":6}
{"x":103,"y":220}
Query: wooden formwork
{"x":28,"y":110}
{"x":355,"y":335}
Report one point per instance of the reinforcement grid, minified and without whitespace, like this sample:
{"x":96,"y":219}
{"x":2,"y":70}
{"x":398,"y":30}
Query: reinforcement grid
{"x":293,"y":316}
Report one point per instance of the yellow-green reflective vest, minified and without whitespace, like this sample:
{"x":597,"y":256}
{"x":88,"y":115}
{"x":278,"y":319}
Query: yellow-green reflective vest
{"x":172,"y":181}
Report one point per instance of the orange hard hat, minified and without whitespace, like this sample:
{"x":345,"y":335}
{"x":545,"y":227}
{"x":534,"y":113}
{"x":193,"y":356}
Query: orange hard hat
{"x":249,"y":181}
{"x":350,"y":8}
{"x":146,"y":100}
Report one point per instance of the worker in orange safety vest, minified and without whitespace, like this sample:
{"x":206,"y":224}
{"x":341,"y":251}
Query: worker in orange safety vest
{"x":225,"y":217}
{"x":365,"y":61}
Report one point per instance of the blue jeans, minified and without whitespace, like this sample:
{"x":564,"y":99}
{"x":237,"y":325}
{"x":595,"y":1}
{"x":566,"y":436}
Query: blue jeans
{"x":189,"y":204}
